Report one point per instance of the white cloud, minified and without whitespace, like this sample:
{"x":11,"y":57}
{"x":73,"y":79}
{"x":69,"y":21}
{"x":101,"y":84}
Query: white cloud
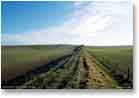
{"x":77,"y":3}
{"x":92,"y":23}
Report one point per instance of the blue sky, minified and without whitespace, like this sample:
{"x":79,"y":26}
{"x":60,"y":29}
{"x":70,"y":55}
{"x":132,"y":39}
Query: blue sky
{"x":18,"y":17}
{"x":89,"y":23}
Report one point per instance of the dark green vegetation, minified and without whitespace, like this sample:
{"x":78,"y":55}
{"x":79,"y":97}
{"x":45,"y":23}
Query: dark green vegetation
{"x":118,"y":60}
{"x":66,"y":66}
{"x":17,"y":60}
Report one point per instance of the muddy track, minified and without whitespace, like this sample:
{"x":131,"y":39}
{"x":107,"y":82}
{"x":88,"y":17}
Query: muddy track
{"x":98,"y":78}
{"x":76,"y":70}
{"x":84,"y":80}
{"x":66,"y":81}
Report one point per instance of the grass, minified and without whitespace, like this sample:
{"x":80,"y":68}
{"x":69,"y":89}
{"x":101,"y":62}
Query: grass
{"x":117,"y":59}
{"x":17,"y":60}
{"x":56,"y":78}
{"x":74,"y":74}
{"x":86,"y":67}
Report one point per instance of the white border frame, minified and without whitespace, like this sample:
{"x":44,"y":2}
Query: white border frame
{"x":35,"y":93}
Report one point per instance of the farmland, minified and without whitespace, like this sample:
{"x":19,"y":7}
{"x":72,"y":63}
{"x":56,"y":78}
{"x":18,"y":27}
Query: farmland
{"x":117,"y":59}
{"x":17,"y":60}
{"x":67,"y":66}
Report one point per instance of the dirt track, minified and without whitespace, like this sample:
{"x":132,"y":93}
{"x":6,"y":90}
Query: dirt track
{"x":77,"y":70}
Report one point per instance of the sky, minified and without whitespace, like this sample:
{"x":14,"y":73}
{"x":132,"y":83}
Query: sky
{"x":96,"y":22}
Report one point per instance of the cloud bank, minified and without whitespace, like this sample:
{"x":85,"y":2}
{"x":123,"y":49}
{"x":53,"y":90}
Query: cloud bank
{"x":91,"y":23}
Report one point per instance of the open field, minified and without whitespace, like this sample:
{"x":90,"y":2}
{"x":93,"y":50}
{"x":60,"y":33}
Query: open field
{"x":117,"y":59}
{"x":17,"y":60}
{"x":66,"y":66}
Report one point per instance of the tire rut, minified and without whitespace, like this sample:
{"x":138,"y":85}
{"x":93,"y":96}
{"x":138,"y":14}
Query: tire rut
{"x":76,"y":70}
{"x":98,"y":78}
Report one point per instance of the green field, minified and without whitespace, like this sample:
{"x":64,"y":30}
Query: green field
{"x":67,"y":66}
{"x":117,"y":59}
{"x":17,"y":60}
